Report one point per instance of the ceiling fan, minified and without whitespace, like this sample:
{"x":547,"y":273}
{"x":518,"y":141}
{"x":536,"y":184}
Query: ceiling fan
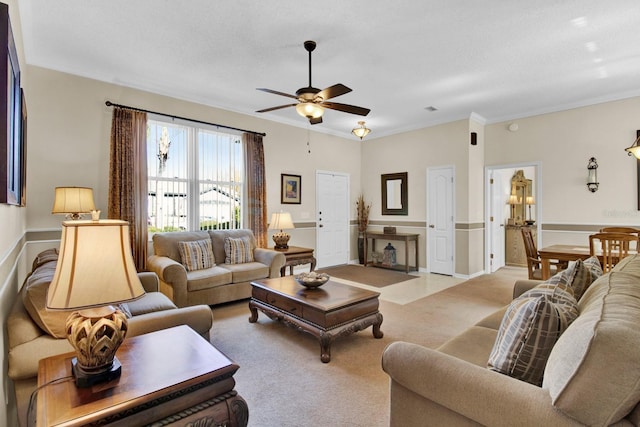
{"x":312,"y":101}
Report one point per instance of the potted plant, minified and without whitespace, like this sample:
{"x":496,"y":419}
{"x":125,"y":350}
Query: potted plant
{"x":362,"y":210}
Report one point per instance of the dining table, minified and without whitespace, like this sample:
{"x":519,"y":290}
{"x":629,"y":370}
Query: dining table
{"x":561,"y":253}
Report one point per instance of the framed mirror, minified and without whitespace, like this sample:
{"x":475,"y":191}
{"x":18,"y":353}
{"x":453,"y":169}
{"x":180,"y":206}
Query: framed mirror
{"x":395,"y":200}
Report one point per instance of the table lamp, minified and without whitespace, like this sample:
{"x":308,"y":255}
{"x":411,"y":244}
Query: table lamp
{"x":281,"y":221}
{"x":529,"y":202}
{"x":95,"y":269}
{"x":73,"y":201}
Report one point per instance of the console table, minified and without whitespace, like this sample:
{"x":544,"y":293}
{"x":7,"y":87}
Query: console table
{"x":296,"y":255}
{"x":172,"y":376}
{"x":405,"y":237}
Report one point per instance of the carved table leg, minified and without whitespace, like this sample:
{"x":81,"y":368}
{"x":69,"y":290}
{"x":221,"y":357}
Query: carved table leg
{"x":325,"y":347}
{"x":254,"y":313}
{"x":377,"y":333}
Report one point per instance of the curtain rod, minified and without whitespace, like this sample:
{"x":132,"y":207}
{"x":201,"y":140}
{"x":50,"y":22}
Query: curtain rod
{"x":111,"y":104}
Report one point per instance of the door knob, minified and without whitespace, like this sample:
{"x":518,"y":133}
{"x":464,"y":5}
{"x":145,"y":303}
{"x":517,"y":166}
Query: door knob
{"x":432,"y":226}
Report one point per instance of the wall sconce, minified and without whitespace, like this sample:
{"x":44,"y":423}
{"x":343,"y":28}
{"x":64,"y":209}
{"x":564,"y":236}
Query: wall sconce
{"x":592,"y":179}
{"x":361,"y":131}
{"x":634,"y":150}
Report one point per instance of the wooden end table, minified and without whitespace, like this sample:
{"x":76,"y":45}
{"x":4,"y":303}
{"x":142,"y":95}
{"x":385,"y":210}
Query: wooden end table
{"x":327,"y":312}
{"x":172,"y":376}
{"x":296,"y":255}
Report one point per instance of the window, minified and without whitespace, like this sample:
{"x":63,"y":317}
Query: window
{"x":195,"y":177}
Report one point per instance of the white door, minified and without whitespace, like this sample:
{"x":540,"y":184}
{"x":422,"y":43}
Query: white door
{"x":332,"y":219}
{"x":440,"y":221}
{"x":496,"y":220}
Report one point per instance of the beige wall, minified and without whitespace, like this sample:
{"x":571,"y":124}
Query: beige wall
{"x":563,"y":142}
{"x":69,"y":145}
{"x":12,"y":261}
{"x":416,"y":151}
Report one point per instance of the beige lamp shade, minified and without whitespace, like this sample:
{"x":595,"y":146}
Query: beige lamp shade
{"x":530,"y":201}
{"x":95,"y":266}
{"x":73,"y":200}
{"x":281,"y":221}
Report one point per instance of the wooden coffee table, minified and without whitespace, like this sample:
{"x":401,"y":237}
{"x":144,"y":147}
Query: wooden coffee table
{"x":327,"y":312}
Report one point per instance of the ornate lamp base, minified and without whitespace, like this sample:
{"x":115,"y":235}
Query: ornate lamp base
{"x":88,"y":378}
{"x":96,"y":334}
{"x":281,"y":239}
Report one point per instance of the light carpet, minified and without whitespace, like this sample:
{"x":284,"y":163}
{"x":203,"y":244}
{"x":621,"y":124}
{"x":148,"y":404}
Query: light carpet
{"x":372,"y":276}
{"x":285,"y":384}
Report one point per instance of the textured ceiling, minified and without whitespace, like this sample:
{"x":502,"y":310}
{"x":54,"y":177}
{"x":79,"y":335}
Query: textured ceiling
{"x":496,"y":59}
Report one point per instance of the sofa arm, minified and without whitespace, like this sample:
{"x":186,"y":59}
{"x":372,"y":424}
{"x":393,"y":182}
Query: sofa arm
{"x":149,"y":281}
{"x":474,"y":392}
{"x":173,"y":278}
{"x":274,"y":259}
{"x":522,"y":286}
{"x":198,"y":317}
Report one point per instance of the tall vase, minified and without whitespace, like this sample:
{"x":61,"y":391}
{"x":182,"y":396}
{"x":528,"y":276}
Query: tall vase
{"x":361,"y":247}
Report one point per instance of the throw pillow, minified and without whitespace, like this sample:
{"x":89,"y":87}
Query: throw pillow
{"x":587,"y":272}
{"x":196,"y":254}
{"x":529,"y":329}
{"x":238,"y":251}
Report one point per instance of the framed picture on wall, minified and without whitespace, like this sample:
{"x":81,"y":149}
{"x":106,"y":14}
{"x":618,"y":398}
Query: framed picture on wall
{"x":13,"y":118}
{"x":290,"y":189}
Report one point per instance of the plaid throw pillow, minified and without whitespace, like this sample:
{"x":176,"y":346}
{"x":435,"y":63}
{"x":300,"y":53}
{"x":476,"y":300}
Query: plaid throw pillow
{"x":530,"y":328}
{"x":197,"y":254}
{"x":587,"y":272}
{"x":238,"y":251}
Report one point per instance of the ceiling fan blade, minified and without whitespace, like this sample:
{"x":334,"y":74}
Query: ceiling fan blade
{"x":315,"y":121}
{"x":275,"y":92}
{"x":276,"y":108}
{"x":333,"y":91}
{"x":346,"y":108}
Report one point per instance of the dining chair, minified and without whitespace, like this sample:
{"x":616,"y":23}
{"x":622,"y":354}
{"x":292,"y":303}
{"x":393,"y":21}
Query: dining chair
{"x":612,"y":247}
{"x":626,"y":230}
{"x":534,"y":265}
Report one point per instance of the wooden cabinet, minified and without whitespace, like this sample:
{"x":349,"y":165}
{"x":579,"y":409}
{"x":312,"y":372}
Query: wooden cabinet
{"x":169,"y":377}
{"x":514,"y":253}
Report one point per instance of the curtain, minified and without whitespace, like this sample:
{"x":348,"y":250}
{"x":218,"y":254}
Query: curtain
{"x":256,"y":209}
{"x":128,"y":178}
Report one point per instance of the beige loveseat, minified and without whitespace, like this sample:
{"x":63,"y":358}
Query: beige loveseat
{"x":222,"y":282}
{"x":35,"y":333}
{"x":591,"y":376}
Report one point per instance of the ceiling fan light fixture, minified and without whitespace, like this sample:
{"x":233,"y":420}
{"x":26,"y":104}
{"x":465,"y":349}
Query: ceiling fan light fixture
{"x":361,"y":131}
{"x":309,"y":110}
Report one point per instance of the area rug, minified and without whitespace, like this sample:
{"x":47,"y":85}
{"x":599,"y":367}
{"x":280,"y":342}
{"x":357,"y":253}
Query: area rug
{"x":285,"y":384}
{"x":372,"y":276}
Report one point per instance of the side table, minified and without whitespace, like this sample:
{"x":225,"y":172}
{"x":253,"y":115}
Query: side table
{"x":169,"y":377}
{"x":296,"y":255}
{"x":405,"y":237}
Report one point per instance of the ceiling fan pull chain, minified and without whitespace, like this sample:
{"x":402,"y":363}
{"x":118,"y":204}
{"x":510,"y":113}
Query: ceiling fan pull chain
{"x":308,"y":137}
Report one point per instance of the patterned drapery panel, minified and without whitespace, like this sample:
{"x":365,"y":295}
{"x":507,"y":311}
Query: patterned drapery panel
{"x":256,"y":209}
{"x":128,"y":177}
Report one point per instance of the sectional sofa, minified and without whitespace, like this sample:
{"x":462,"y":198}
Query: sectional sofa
{"x":589,"y":373}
